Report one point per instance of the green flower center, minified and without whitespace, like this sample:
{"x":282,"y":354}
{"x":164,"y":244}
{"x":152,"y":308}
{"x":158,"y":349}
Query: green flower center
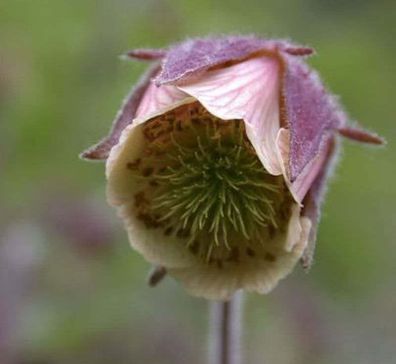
{"x":203,"y":182}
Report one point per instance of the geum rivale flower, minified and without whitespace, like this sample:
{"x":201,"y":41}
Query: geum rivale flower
{"x":218,"y":159}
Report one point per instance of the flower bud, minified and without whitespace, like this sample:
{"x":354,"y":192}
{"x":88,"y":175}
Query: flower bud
{"x":218,"y":159}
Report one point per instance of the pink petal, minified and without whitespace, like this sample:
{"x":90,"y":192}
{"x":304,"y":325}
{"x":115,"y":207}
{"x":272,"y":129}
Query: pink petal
{"x":157,"y":98}
{"x":249,"y":91}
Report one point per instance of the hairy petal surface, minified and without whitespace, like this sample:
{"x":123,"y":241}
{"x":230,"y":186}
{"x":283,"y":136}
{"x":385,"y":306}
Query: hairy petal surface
{"x":193,"y":56}
{"x":310,"y":113}
{"x":300,"y":186}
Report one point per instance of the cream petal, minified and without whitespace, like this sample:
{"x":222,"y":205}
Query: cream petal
{"x":259,"y":276}
{"x":208,"y":282}
{"x":145,"y":117}
{"x":283,"y":150}
{"x":157,"y":98}
{"x":263,"y":281}
{"x":121,"y":189}
{"x":294,"y":230}
{"x":250,"y":91}
{"x":155,"y":247}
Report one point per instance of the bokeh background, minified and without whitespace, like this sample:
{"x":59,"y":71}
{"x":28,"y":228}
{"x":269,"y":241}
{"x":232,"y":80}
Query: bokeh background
{"x":71,"y":289}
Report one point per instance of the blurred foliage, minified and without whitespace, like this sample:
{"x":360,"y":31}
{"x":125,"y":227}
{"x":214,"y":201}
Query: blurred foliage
{"x":72,"y":291}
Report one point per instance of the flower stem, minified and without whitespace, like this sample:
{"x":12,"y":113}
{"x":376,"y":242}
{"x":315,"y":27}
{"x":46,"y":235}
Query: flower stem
{"x":225,"y":331}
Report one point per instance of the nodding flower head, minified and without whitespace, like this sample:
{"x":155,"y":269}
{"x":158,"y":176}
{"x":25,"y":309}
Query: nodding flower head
{"x":218,"y":159}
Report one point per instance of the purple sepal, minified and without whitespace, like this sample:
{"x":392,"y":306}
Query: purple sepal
{"x":313,"y":199}
{"x":146,"y":54}
{"x":299,"y":51}
{"x":196,"y":55}
{"x":124,"y":117}
{"x":309,"y":112}
{"x":362,"y":136}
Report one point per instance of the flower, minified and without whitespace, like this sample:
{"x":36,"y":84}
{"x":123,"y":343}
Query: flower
{"x":218,"y":160}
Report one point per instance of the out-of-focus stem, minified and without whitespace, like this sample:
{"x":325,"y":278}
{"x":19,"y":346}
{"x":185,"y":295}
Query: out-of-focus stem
{"x":225,"y":331}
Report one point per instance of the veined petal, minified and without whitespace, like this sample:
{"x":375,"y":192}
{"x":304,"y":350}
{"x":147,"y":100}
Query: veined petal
{"x":248,"y":91}
{"x":157,"y":98}
{"x":260,"y":276}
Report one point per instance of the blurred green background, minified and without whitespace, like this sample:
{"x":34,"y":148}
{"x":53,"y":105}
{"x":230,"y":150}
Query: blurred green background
{"x":71,"y":289}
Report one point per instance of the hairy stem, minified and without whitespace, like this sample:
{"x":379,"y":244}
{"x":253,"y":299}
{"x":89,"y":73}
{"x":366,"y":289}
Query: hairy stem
{"x":225,"y":331}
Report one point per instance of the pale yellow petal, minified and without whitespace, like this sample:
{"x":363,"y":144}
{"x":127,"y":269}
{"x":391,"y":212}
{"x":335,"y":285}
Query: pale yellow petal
{"x":255,"y":275}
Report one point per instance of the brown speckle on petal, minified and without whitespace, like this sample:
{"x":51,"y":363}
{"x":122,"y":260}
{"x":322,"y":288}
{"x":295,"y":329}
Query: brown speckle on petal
{"x":134,"y":165}
{"x":147,"y":171}
{"x":270,"y":257}
{"x":250,"y":252}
